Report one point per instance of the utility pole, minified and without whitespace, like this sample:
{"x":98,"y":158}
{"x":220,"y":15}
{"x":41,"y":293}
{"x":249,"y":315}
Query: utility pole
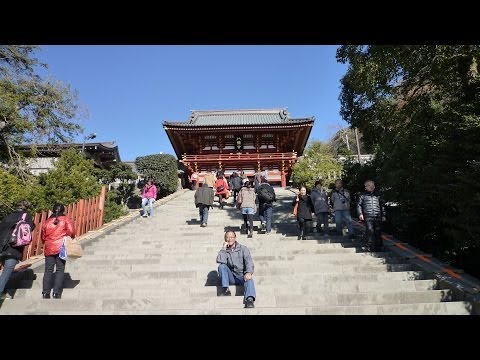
{"x":358,"y":146}
{"x":346,"y":138}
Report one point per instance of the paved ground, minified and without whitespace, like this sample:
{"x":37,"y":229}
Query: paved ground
{"x":166,"y":265}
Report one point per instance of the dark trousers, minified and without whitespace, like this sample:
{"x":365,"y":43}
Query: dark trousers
{"x":322,"y":217}
{"x":265,"y":213}
{"x":373,"y":233}
{"x":304,"y":226}
{"x":203,"y":211}
{"x":248,"y":221}
{"x":50,"y":262}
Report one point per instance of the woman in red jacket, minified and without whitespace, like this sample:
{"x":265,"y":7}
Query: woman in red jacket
{"x":54,"y":230}
{"x":221,"y":188}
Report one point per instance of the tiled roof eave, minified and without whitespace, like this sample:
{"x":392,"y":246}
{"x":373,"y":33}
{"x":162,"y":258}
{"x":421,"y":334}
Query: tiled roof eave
{"x":186,"y":126}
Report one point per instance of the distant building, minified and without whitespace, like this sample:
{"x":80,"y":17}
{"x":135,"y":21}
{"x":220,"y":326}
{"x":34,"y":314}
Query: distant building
{"x":103,"y":154}
{"x":240,"y":140}
{"x":363,"y":158}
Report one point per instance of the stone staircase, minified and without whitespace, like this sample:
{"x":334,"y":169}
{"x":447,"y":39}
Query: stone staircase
{"x":166,"y":265}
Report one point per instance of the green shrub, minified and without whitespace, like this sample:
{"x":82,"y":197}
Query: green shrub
{"x":163,"y":169}
{"x":112,"y":210}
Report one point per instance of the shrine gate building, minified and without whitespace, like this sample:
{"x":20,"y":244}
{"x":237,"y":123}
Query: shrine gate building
{"x":240,"y":140}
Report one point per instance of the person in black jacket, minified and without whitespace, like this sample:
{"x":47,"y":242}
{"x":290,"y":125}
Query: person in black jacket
{"x":235,"y":185}
{"x":265,"y":205}
{"x":304,"y":212}
{"x":9,"y":255}
{"x":371,"y":209}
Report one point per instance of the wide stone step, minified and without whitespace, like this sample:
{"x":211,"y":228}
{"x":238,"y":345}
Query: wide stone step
{"x":445,"y":308}
{"x":194,"y":272}
{"x":199,"y":265}
{"x":169,"y":290}
{"x":156,"y":252}
{"x":187,"y":258}
{"x":199,"y":302}
{"x":72,"y":280}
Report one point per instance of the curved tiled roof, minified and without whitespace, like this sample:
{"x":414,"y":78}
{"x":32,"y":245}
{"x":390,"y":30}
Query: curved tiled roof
{"x":237,"y":118}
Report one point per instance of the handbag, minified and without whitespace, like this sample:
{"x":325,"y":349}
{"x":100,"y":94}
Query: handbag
{"x":295,"y":209}
{"x":63,"y":251}
{"x":220,"y":188}
{"x":73,"y":247}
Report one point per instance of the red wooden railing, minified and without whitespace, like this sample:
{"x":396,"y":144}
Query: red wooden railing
{"x":240,"y":157}
{"x":86,"y":215}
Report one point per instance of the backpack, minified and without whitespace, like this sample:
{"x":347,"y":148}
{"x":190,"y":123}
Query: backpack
{"x":22,"y":233}
{"x":265,"y":193}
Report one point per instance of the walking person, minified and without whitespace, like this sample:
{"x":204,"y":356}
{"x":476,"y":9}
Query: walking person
{"x":319,"y":197}
{"x":149,"y":195}
{"x":54,"y":229}
{"x":11,"y":255}
{"x":203,"y":201}
{"x":209,"y":179}
{"x":193,"y":180}
{"x":304,"y":212}
{"x":247,"y":202}
{"x":235,"y":185}
{"x":371,"y":209}
{"x":340,"y":199}
{"x":266,"y":197}
{"x":221,"y":188}
{"x":236,"y":267}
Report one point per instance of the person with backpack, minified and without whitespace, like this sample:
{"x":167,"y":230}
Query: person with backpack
{"x":11,"y":228}
{"x":235,"y":185}
{"x":221,"y":188}
{"x":266,"y":197}
{"x":54,"y":229}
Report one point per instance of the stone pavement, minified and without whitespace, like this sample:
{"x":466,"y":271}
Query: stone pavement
{"x":166,"y":265}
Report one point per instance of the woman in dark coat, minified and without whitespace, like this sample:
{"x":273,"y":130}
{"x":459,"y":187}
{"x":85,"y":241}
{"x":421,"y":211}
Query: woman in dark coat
{"x":304,"y":212}
{"x":9,"y":255}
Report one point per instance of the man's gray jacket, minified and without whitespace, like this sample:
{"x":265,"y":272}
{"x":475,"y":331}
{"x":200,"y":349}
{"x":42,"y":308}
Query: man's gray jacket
{"x":239,"y":260}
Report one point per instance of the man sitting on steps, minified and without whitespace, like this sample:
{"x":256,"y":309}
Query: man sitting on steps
{"x":236,"y":267}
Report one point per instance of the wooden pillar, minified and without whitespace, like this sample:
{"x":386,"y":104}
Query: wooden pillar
{"x":101,"y":204}
{"x":284,"y":180}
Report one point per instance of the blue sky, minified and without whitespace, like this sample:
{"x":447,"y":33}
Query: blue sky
{"x":129,"y":91}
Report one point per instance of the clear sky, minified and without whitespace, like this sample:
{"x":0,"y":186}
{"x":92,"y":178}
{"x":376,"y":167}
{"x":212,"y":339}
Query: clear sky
{"x":129,"y":91}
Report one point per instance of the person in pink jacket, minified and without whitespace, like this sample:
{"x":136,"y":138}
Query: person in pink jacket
{"x":149,"y":195}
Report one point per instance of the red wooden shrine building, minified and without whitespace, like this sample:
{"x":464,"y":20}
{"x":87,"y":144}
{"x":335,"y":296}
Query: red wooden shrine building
{"x":236,"y":140}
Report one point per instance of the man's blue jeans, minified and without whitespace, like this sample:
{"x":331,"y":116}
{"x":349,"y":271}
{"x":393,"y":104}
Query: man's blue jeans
{"x":203,"y":211}
{"x":266,"y":216}
{"x":8,"y":268}
{"x":228,"y":278}
{"x":146,"y":201}
{"x":343,"y":215}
